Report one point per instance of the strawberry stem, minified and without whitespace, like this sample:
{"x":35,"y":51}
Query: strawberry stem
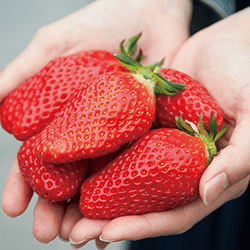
{"x":149,"y":72}
{"x":209,"y":136}
{"x":161,"y":85}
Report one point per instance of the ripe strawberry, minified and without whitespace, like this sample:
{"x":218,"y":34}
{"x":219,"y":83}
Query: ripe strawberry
{"x":160,"y":171}
{"x":52,"y":182}
{"x":96,"y":164}
{"x":29,"y":108}
{"x":116,"y":108}
{"x":189,"y":103}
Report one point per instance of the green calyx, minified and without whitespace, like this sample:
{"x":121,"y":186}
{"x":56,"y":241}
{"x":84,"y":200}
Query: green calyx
{"x":161,"y":85}
{"x":149,"y":72}
{"x":131,"y":48}
{"x":209,"y":135}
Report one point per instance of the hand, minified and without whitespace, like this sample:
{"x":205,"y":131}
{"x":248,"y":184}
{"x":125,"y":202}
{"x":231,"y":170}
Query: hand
{"x":219,"y":58}
{"x":101,"y":25}
{"x":223,"y":68}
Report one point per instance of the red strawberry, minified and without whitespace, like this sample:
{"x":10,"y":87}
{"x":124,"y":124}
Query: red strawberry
{"x":116,"y":108}
{"x":28,"y":109}
{"x":160,"y":171}
{"x":189,"y":103}
{"x":52,"y":182}
{"x":96,"y":164}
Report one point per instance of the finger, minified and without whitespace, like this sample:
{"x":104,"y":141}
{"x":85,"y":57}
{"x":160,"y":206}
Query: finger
{"x":86,"y":230}
{"x":100,"y":244}
{"x":16,"y":193}
{"x":152,"y":224}
{"x":157,"y":43}
{"x":71,"y":217}
{"x":229,"y":167}
{"x":171,"y":222}
{"x":164,"y":41}
{"x":47,"y":220}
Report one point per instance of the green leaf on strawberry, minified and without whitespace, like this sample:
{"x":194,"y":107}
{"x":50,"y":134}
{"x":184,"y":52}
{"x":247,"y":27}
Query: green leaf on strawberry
{"x":131,"y":47}
{"x":161,"y":84}
{"x":209,"y":136}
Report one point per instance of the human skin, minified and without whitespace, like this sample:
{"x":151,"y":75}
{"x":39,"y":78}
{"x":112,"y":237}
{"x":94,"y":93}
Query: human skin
{"x":218,"y":57}
{"x":101,"y":25}
{"x":222,"y":67}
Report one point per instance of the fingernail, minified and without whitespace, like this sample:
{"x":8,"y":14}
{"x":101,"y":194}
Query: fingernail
{"x":214,"y":188}
{"x":79,"y":244}
{"x":107,"y":241}
{"x":62,"y":239}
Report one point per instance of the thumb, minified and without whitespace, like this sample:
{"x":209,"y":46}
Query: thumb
{"x":231,"y":166}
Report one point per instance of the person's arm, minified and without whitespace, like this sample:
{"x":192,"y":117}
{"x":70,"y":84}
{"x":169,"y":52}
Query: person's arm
{"x":101,"y":25}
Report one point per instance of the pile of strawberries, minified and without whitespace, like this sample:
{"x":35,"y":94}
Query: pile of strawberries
{"x":131,"y":138}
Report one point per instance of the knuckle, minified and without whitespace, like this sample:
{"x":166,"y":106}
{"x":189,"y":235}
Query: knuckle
{"x":49,"y":38}
{"x":42,"y":33}
{"x":244,"y":169}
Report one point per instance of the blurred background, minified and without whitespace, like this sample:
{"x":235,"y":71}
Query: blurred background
{"x":19,"y":21}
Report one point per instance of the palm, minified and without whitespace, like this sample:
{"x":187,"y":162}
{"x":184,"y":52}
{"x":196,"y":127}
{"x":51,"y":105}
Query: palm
{"x":101,"y":25}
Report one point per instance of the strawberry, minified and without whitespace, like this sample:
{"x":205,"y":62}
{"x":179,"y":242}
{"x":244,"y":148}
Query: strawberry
{"x":158,"y":172}
{"x":189,"y":103}
{"x":52,"y":182}
{"x":98,"y":163}
{"x":29,"y":108}
{"x":116,"y":108}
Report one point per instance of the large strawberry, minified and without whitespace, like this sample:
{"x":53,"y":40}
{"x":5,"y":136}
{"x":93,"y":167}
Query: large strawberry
{"x":189,"y":103}
{"x":52,"y":182}
{"x":98,"y":163}
{"x":160,"y":171}
{"x":116,"y":108}
{"x":29,"y":108}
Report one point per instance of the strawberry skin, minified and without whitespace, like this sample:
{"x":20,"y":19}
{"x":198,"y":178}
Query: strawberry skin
{"x":29,"y":108}
{"x":99,"y":163}
{"x":115,"y":109}
{"x":189,"y":103}
{"x":158,"y":172}
{"x":52,"y":182}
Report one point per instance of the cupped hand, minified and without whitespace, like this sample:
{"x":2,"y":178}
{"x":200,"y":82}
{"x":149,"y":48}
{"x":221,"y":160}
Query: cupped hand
{"x":218,"y":57}
{"x":101,"y":25}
